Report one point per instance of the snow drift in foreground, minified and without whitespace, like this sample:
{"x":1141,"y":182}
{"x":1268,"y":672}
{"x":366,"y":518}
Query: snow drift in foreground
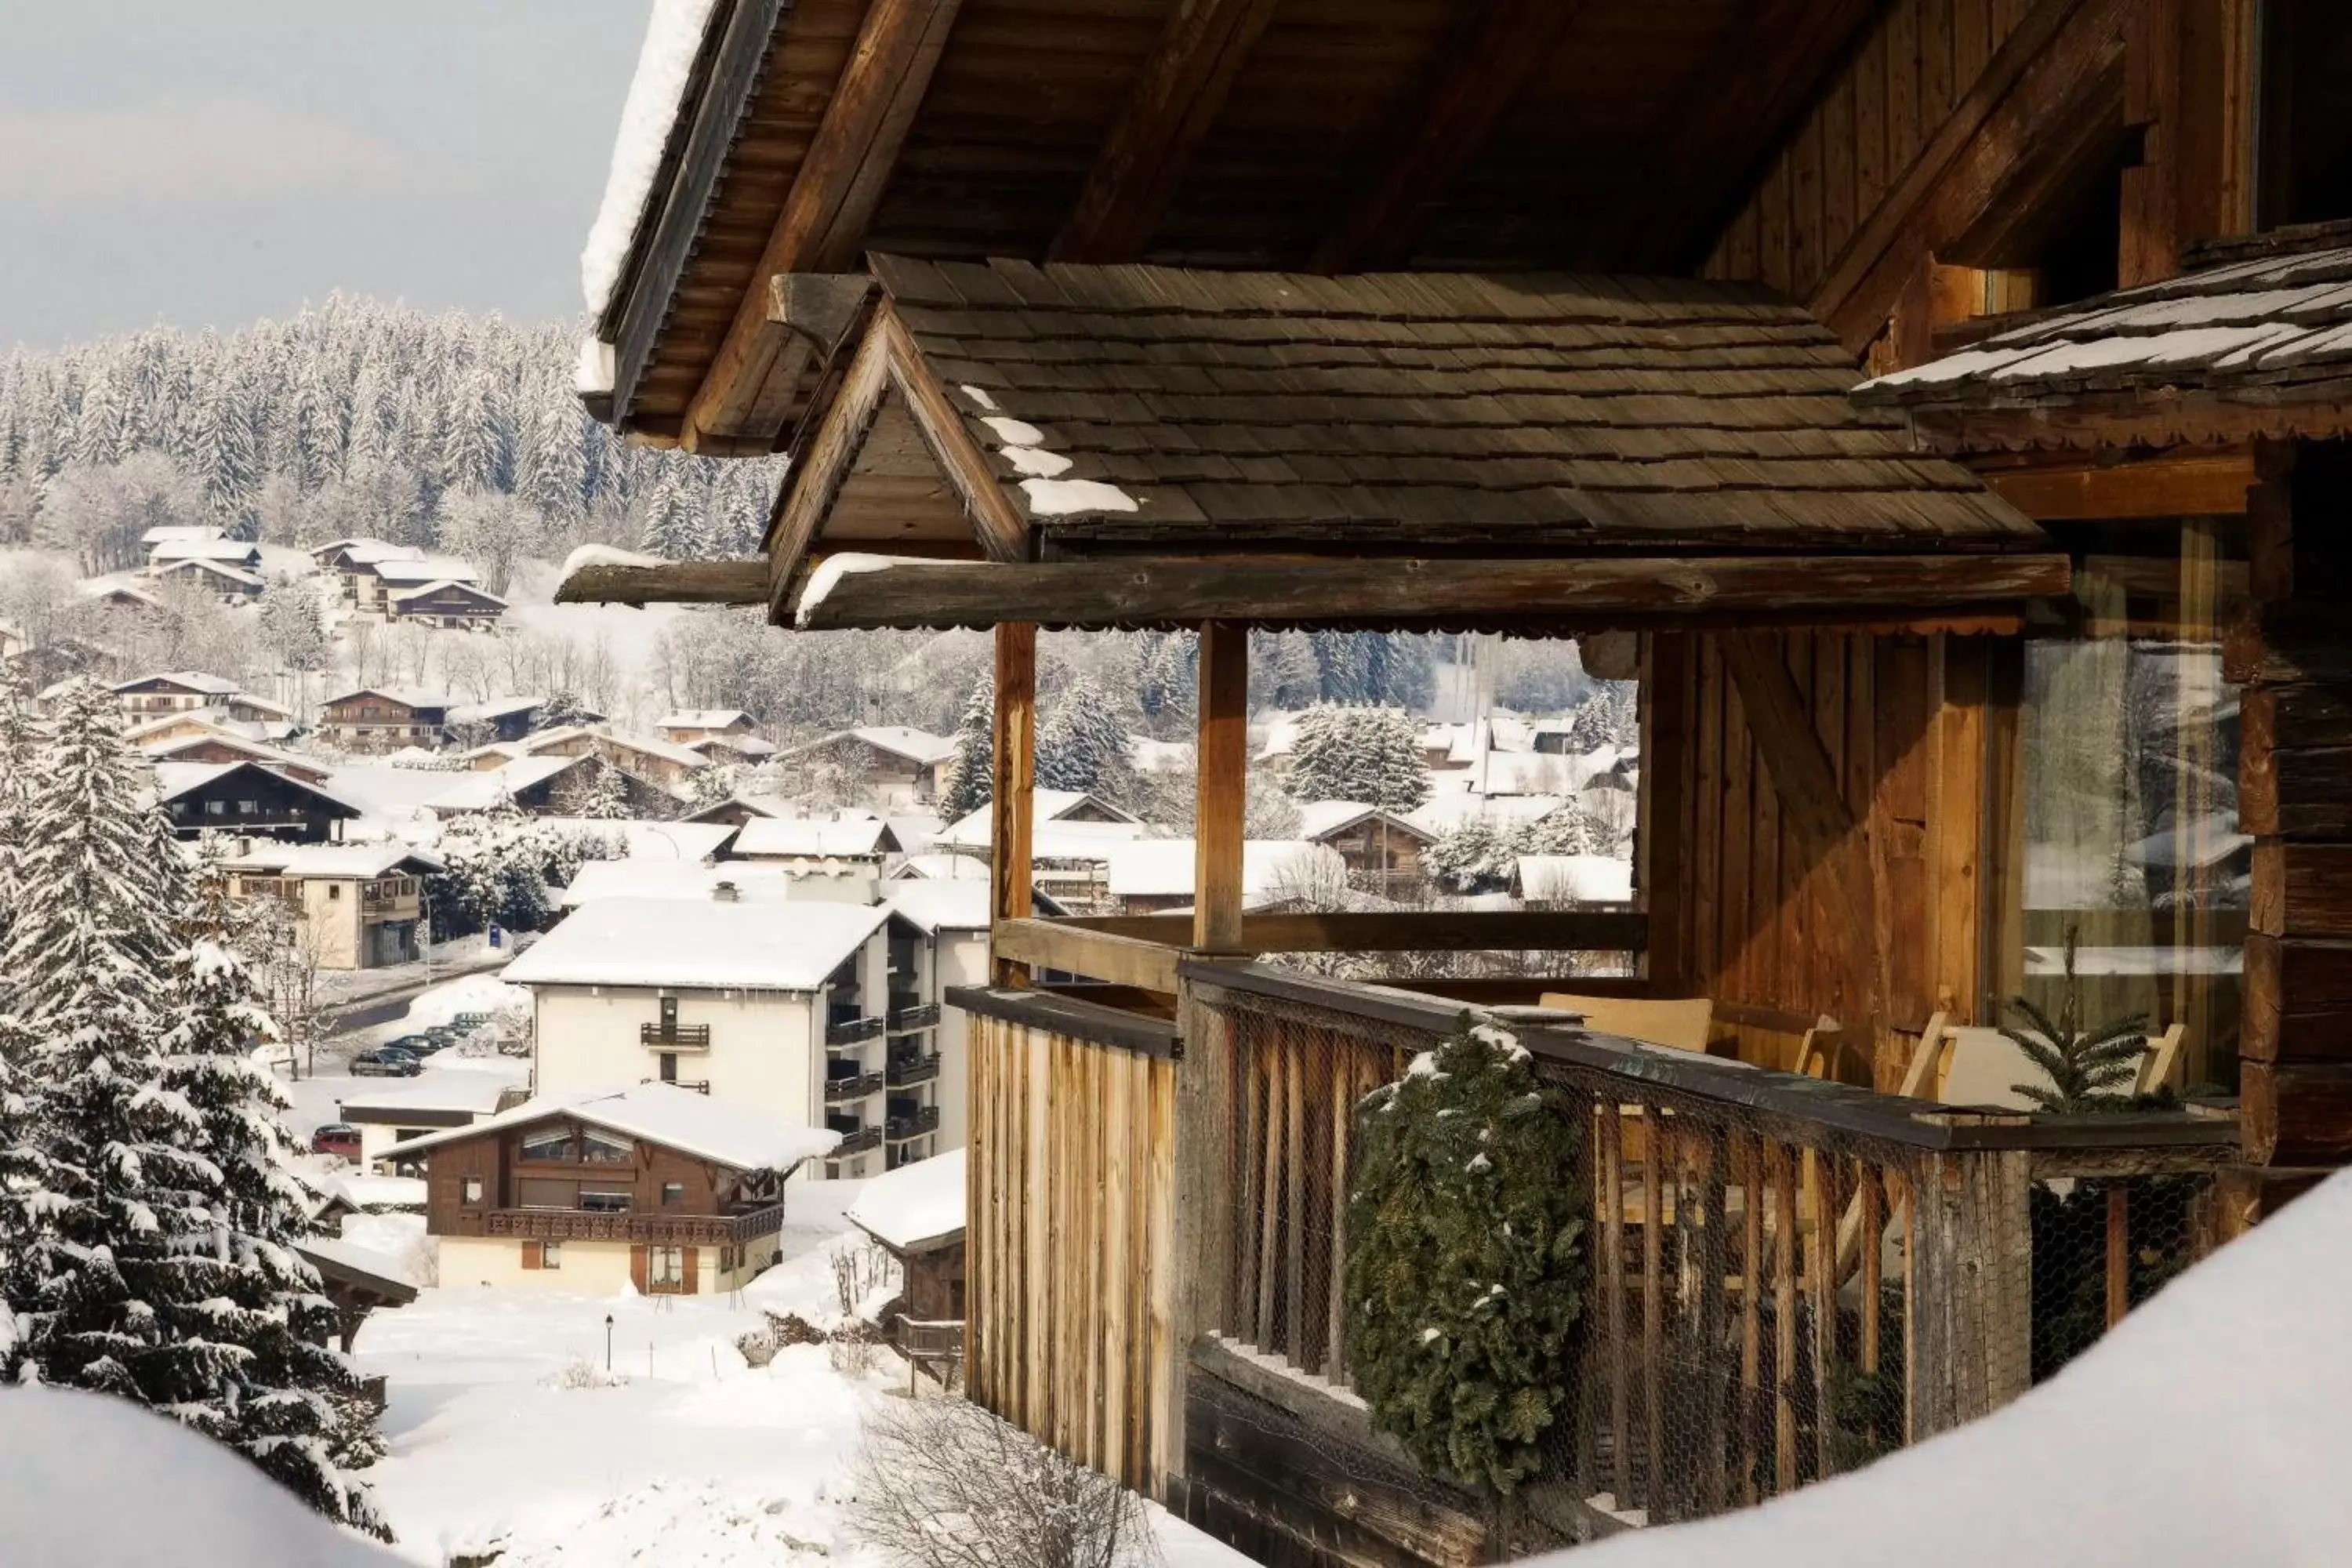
{"x":2213,"y":1426}
{"x":70,"y":1462}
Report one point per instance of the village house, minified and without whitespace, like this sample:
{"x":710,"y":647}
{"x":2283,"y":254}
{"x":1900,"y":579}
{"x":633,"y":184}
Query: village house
{"x":250,"y":799}
{"x":498,"y":719}
{"x":1070,"y":844}
{"x":384,"y":719}
{"x":850,"y":845}
{"x":916,"y":1214}
{"x":446,"y":603}
{"x":648,"y":1187}
{"x":1381,"y":849}
{"x":540,"y":786}
{"x":1154,"y":876}
{"x":353,"y":563}
{"x":787,"y":1008}
{"x":400,"y":1111}
{"x":1937,"y":411}
{"x":208,"y":743}
{"x":242,"y":555}
{"x":362,"y":905}
{"x":114,"y":594}
{"x":170,"y":691}
{"x":228,"y":584}
{"x":895,"y":764}
{"x":171,"y":532}
{"x":688,"y":726}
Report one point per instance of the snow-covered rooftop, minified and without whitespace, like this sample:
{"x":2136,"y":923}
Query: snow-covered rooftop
{"x":673,"y":880}
{"x":335,"y":860}
{"x":483,"y":790}
{"x":749,"y":944}
{"x":496,"y":708}
{"x":194,"y":681}
{"x":1318,"y":818}
{"x":425,"y":569}
{"x":472,"y":1093}
{"x":1163,"y":867}
{"x":173,"y":780}
{"x":220,"y":569}
{"x":937,"y":904}
{"x":406,"y":696}
{"x":664,"y":63}
{"x":236,"y":550}
{"x":938,"y":865}
{"x":1587,"y":879}
{"x":472,"y":590}
{"x":162,"y":532}
{"x":706,"y":719}
{"x":675,"y":1117}
{"x":654,"y":746}
{"x":779,"y":838}
{"x":916,"y":1206}
{"x":643,"y":840}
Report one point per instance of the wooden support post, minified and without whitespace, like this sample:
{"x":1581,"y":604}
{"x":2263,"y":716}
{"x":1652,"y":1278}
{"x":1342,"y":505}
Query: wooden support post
{"x":1971,"y":1261}
{"x":1659,"y":1152}
{"x":2118,"y":1252}
{"x":1223,"y":787}
{"x":1012,"y":803}
{"x":1612,"y":1299}
{"x":1781,"y":1161}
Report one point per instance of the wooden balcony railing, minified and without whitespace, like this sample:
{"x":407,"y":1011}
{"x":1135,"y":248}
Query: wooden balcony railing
{"x":851,"y":1085}
{"x":656,"y":1228}
{"x":677,"y":1038}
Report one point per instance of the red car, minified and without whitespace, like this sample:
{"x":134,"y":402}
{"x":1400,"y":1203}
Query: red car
{"x":336,"y":1137}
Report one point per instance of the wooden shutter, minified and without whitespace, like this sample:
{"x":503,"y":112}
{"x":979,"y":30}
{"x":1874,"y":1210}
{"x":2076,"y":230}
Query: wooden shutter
{"x":637,"y":1270}
{"x":685,"y":1278}
{"x":534,"y":1254}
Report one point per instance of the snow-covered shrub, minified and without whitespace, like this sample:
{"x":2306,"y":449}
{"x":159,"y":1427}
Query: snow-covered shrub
{"x":580,"y":1372}
{"x":941,"y":1483}
{"x":1464,"y":1269}
{"x":757,"y":1347}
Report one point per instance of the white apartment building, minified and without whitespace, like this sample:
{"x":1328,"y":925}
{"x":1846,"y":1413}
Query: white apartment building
{"x":821,"y":1011}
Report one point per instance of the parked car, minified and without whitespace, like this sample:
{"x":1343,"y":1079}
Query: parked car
{"x":336,"y":1137}
{"x":416,"y":1044}
{"x":386,"y":1061}
{"x":444,"y":1033}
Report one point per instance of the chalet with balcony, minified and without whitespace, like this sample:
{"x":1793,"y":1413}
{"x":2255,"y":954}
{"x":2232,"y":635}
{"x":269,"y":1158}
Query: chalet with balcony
{"x":812,"y":1011}
{"x":384,"y":719}
{"x":247,"y":798}
{"x":496,"y":719}
{"x":1547,"y":320}
{"x":850,"y":848}
{"x":377,"y":578}
{"x":899,"y":766}
{"x":221,"y":579}
{"x":1381,"y":849}
{"x":1070,"y":844}
{"x":174,"y":692}
{"x":691,"y":726}
{"x":916,"y":1216}
{"x":360,"y":905}
{"x":353,"y":563}
{"x":446,"y":603}
{"x":239,"y":555}
{"x":651,"y":1185}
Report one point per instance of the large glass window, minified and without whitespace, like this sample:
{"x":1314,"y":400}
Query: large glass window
{"x":2126,"y":831}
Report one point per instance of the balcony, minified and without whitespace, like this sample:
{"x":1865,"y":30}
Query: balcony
{"x":664,"y":1229}
{"x":907,"y":1068}
{"x":848,"y":1086}
{"x":906,"y":1020}
{"x":852,"y":1031}
{"x":676,"y":1037}
{"x":912,"y":1123}
{"x":856,"y":1137}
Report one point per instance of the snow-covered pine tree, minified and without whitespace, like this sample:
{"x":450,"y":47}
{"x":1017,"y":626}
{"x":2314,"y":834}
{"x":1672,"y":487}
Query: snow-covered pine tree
{"x":1560,"y":831}
{"x":1082,"y":743}
{"x":607,"y":794}
{"x":1471,"y":857}
{"x":293,"y":626}
{"x":15,"y":791}
{"x":561,"y":711}
{"x":673,"y":525}
{"x":282,"y":1397}
{"x":1368,"y":755}
{"x":971,"y":774}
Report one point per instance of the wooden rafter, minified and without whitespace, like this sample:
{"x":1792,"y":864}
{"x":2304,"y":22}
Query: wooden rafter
{"x":1743,"y":102}
{"x":1477,"y":75}
{"x":823,"y":460}
{"x":2065,"y":58}
{"x":1174,"y":102}
{"x":747,"y":389}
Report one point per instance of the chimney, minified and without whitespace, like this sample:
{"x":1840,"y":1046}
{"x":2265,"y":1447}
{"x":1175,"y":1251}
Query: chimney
{"x":725,"y":892}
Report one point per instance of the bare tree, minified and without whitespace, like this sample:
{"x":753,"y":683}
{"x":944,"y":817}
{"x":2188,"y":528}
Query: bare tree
{"x":941,"y":1483}
{"x":283,"y":949}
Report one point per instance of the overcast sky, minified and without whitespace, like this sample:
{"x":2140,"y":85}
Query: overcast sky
{"x":205,"y":163}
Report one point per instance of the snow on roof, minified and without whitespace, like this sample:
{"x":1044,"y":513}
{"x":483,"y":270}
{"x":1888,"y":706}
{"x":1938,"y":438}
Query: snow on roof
{"x":1447,"y":810}
{"x":205,"y":550}
{"x":936,"y":905}
{"x":970,"y":830}
{"x":173,"y":780}
{"x":164,"y":532}
{"x":406,"y":696}
{"x":430,"y":569}
{"x":243,"y":579}
{"x":664,"y":63}
{"x":356,"y":1260}
{"x":1163,"y":867}
{"x":653,"y":746}
{"x":1318,"y":818}
{"x":642,"y":840}
{"x":337,"y":861}
{"x":939,"y":866}
{"x":673,"y":879}
{"x":680,"y":1119}
{"x":916,"y":1206}
{"x":215,"y":735}
{"x":752,"y":944}
{"x":387,"y":790}
{"x":488,"y":788}
{"x":1587,"y":879}
{"x":370,"y":551}
{"x":198,"y":1504}
{"x":738,"y":743}
{"x":705,"y":718}
{"x":1534,"y":772}
{"x":365,"y":1192}
{"x":496,"y":708}
{"x":474,"y":590}
{"x":779,"y":836}
{"x":111,"y":588}
{"x":901,"y":740}
{"x":186,"y":679}
{"x":472,"y":1093}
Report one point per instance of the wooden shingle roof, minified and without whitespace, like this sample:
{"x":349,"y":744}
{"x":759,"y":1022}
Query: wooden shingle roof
{"x":1162,"y":408}
{"x":2258,"y":345}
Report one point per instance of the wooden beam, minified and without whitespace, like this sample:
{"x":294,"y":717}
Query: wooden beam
{"x":822,"y":227}
{"x":1186,"y":590}
{"x":2065,"y":54}
{"x":823,"y":463}
{"x":1030,"y":945}
{"x":1404,"y":930}
{"x":1003,"y":532}
{"x":1742,"y":105}
{"x":714,"y":581}
{"x":1477,"y":75}
{"x":2190,"y":485}
{"x":1223,"y":786}
{"x":2138,"y":416}
{"x":1174,"y":102}
{"x":1012,"y":799}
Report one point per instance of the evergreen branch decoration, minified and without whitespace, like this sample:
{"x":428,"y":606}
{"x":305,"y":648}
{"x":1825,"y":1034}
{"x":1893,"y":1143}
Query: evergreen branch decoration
{"x":1465,"y":1272}
{"x":2089,"y":1069}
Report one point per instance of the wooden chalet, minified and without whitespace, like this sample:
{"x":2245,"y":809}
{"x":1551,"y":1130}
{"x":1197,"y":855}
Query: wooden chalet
{"x":1546,"y":318}
{"x":451,"y":605}
{"x":384,"y":719}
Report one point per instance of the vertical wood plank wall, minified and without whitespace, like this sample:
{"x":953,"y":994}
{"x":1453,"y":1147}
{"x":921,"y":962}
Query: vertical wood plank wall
{"x":1071,"y":1282}
{"x":1914,"y":65}
{"x":1904,"y":722}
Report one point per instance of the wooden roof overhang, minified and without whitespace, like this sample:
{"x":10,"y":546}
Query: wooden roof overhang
{"x":2255,"y":343}
{"x":1078,"y":446}
{"x":1323,"y":135}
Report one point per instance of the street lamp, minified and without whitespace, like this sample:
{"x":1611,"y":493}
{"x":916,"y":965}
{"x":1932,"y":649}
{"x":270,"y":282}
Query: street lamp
{"x":608,"y":1341}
